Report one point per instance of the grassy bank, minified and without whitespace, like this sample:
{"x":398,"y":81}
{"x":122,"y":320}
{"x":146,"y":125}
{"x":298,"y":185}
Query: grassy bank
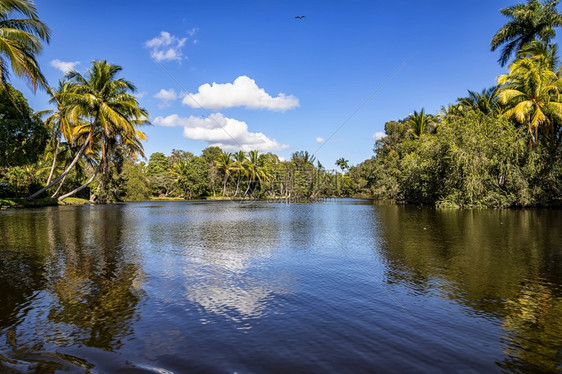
{"x":20,"y":202}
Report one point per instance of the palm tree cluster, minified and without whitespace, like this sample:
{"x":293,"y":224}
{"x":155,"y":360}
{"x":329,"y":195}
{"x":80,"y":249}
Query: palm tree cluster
{"x":98,"y":117}
{"x":239,"y":175}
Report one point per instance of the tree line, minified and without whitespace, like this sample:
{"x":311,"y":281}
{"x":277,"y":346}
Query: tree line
{"x":497,"y":147}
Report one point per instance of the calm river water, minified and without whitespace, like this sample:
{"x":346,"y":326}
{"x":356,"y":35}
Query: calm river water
{"x":223,"y":287}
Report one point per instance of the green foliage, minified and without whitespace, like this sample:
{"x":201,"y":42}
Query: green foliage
{"x":473,"y":160}
{"x":192,"y":177}
{"x":137,"y":182}
{"x":22,"y":134}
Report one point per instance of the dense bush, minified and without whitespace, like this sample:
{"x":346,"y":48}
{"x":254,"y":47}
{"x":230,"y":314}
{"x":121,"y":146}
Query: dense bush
{"x":471,"y":160}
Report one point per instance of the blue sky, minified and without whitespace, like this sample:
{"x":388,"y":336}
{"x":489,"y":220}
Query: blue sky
{"x":280,"y":83}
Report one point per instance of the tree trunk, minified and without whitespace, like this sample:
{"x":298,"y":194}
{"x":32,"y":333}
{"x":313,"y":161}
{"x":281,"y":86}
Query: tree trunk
{"x":60,"y":185}
{"x":80,"y":152}
{"x":81,"y":187}
{"x":54,"y":160}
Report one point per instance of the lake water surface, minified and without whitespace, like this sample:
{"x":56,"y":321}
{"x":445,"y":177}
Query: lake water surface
{"x":224,"y":287}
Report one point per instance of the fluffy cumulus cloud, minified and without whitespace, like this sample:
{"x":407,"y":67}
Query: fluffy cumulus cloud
{"x":217,"y":130}
{"x":320,"y":140}
{"x":243,"y":92}
{"x":166,"y":47}
{"x":379,"y":135}
{"x":166,"y":97}
{"x":64,"y":66}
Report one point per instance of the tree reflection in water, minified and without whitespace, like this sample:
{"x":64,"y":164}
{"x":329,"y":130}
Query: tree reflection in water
{"x":82,"y":289}
{"x":503,"y":264}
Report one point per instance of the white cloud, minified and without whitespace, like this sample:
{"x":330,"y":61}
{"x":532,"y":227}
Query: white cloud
{"x":64,"y":66}
{"x":217,"y":130}
{"x":379,"y":135}
{"x":166,"y":97}
{"x":320,"y":140}
{"x":243,"y":92}
{"x":166,"y":47}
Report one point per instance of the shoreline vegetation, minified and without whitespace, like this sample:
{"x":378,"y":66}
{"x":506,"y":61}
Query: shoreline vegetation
{"x":500,"y":147}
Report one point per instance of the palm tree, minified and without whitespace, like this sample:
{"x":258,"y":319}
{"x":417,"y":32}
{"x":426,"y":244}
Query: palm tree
{"x":302,"y":158}
{"x":342,"y":163}
{"x":20,"y":41}
{"x":452,"y":110}
{"x":225,"y":164}
{"x":485,"y":101}
{"x":240,"y":168}
{"x":418,"y":123}
{"x":531,"y":91}
{"x":112,"y":114}
{"x":257,"y":171}
{"x":531,"y":21}
{"x":58,"y":122}
{"x":540,"y":47}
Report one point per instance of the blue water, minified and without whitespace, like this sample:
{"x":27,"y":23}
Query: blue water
{"x":338,"y":286}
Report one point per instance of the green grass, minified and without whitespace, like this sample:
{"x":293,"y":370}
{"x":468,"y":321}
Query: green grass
{"x":74,"y":201}
{"x":20,"y":202}
{"x":167,"y":199}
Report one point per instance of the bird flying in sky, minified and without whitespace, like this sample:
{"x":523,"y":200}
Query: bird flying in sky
{"x":300,"y":17}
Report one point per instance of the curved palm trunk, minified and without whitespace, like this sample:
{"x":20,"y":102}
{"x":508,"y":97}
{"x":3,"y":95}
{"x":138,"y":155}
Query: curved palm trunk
{"x":54,"y":160}
{"x":59,"y":187}
{"x":68,"y":169}
{"x":76,"y":190}
{"x":224,"y":186}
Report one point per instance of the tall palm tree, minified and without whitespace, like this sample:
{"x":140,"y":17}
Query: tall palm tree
{"x":342,"y":163}
{"x":225,"y":164}
{"x":58,"y":122}
{"x":485,"y":101}
{"x":240,"y":168}
{"x":531,"y":92}
{"x":531,"y":21}
{"x":302,"y":158}
{"x":419,"y":123}
{"x":257,"y":171}
{"x":540,"y":47}
{"x":21,"y":38}
{"x":112,"y":114}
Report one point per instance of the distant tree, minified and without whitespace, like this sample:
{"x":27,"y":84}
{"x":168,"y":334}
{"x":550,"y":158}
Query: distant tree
{"x":342,"y":163}
{"x":22,"y":133}
{"x":192,"y":176}
{"x":419,"y":123}
{"x":211,"y":154}
{"x":225,"y":164}
{"x":485,"y":101}
{"x":137,"y":182}
{"x":157,"y":164}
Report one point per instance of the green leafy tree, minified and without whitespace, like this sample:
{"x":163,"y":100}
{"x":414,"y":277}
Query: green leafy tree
{"x":192,"y":176}
{"x":22,"y":134}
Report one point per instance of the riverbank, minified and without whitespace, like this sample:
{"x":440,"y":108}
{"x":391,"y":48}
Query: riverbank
{"x":21,"y":202}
